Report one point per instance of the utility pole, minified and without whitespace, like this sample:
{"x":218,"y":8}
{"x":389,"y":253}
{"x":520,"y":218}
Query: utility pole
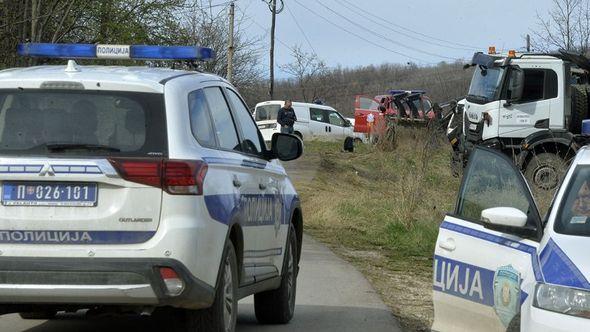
{"x":271,"y":89}
{"x":528,"y":43}
{"x":230,"y":50}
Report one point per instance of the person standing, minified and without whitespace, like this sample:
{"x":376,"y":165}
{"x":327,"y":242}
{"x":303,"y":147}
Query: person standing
{"x":287,"y":118}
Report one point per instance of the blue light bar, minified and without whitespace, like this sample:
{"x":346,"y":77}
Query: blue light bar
{"x":101,"y":51}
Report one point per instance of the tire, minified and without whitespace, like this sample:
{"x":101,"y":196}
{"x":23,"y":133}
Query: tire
{"x":579,"y":108}
{"x":40,"y":315}
{"x":349,"y":144}
{"x":298,"y":134}
{"x":278,"y":306}
{"x":216,"y":318}
{"x":545,"y":171}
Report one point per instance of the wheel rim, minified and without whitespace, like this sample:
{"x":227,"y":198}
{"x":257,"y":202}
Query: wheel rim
{"x":291,"y":280}
{"x":228,"y":296}
{"x":546,"y":178}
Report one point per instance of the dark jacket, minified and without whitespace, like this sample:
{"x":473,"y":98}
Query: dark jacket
{"x":286,"y":117}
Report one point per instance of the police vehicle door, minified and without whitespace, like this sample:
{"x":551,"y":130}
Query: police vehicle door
{"x":479,"y":272}
{"x":262,"y":211}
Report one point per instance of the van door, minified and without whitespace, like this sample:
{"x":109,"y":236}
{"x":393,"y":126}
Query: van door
{"x":337,"y":125}
{"x":318,"y":122}
{"x":480,"y":273}
{"x":520,"y":119}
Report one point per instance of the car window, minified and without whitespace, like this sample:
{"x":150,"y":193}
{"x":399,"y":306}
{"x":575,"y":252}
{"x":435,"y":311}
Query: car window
{"x":267,"y":112}
{"x":225,"y":130}
{"x":491,"y":181}
{"x":200,"y":118}
{"x":336,"y":119}
{"x":539,"y":84}
{"x":128,"y":123}
{"x":574,"y":214}
{"x":318,"y":114}
{"x":251,"y":140}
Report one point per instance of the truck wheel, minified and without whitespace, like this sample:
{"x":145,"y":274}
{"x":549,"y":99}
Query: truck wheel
{"x":579,"y":108}
{"x":545,"y":170}
{"x":222,"y":315}
{"x":277,"y":306}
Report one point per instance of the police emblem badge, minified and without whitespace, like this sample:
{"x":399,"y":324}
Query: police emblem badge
{"x":506,"y":293}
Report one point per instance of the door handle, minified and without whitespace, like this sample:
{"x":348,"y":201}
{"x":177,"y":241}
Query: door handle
{"x":448,"y":244}
{"x":262,"y":186}
{"x":237,"y":183}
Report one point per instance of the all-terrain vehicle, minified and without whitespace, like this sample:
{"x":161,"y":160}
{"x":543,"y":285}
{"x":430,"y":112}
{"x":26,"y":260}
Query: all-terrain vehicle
{"x":528,"y":106}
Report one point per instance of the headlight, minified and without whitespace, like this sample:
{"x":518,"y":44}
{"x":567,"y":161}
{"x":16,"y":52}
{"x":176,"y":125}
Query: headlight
{"x":565,"y":300}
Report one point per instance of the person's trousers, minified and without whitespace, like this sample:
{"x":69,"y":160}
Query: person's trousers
{"x":287,"y":130}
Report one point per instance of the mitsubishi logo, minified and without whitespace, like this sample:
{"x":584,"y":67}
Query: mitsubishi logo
{"x":47,"y":170}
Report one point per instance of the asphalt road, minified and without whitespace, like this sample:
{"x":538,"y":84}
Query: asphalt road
{"x":331,"y":296}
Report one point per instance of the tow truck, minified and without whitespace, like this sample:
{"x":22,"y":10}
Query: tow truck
{"x":529,"y":106}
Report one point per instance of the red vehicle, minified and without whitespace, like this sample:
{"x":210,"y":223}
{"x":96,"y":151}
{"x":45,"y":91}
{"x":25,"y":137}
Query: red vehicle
{"x":399,"y":105}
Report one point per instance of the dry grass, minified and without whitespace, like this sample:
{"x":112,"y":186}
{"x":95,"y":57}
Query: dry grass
{"x":386,"y":205}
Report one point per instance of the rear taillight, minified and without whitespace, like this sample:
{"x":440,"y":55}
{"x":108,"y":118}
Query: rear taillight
{"x":176,"y":177}
{"x":172,"y":281}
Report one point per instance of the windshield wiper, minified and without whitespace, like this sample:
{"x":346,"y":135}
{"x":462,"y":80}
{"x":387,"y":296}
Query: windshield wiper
{"x":79,"y":146}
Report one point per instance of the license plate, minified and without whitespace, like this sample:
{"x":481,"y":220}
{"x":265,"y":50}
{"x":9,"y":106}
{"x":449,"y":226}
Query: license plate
{"x":49,"y":194}
{"x":473,"y":126}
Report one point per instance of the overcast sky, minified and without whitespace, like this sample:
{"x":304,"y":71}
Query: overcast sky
{"x":372,"y":31}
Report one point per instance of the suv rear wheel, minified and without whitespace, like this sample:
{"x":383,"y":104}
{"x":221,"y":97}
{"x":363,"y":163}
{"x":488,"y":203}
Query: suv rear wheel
{"x":222,"y":315}
{"x":277,"y":306}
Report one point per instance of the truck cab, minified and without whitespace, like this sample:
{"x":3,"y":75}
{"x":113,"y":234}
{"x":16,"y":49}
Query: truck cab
{"x":521,"y":96}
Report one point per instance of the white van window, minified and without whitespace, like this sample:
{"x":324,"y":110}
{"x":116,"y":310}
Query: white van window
{"x":318,"y":114}
{"x":267,"y":112}
{"x":336,"y":119}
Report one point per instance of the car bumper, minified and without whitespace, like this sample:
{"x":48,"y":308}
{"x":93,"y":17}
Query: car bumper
{"x":547,"y":321}
{"x":97,"y":281}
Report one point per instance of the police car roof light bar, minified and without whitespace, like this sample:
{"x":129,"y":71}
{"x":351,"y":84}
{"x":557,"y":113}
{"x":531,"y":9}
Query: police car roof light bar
{"x":115,"y":52}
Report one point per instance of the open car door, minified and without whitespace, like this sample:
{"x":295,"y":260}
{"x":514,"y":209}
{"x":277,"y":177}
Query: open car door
{"x":364,"y":105}
{"x":481,"y":267}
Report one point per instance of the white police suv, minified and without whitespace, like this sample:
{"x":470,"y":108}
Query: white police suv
{"x":136,"y":189}
{"x":499,"y":266}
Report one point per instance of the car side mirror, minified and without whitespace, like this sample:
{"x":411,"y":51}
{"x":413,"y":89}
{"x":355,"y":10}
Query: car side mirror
{"x":286,"y":147}
{"x":504,"y":216}
{"x":347,"y":123}
{"x":508,"y":220}
{"x":515,"y":86}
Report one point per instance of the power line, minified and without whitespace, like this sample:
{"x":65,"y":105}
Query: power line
{"x":383,"y":36}
{"x":370,"y":17}
{"x":357,"y":35}
{"x":410,"y":30}
{"x":300,"y":29}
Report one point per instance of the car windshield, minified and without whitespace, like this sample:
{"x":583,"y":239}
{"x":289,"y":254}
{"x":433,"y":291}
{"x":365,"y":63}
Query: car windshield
{"x":267,"y":112}
{"x":574,"y":214}
{"x":485,"y":85}
{"x":40,"y":122}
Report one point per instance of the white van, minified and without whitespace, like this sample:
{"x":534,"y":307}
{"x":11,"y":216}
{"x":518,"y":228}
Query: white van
{"x":313,"y":121}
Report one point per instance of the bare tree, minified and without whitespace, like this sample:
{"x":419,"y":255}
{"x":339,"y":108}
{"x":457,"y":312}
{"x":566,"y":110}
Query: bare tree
{"x":567,"y":27}
{"x":305,"y":68}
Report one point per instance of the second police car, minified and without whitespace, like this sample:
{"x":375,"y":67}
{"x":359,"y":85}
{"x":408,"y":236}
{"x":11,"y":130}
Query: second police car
{"x":136,"y":189}
{"x":499,"y":265}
